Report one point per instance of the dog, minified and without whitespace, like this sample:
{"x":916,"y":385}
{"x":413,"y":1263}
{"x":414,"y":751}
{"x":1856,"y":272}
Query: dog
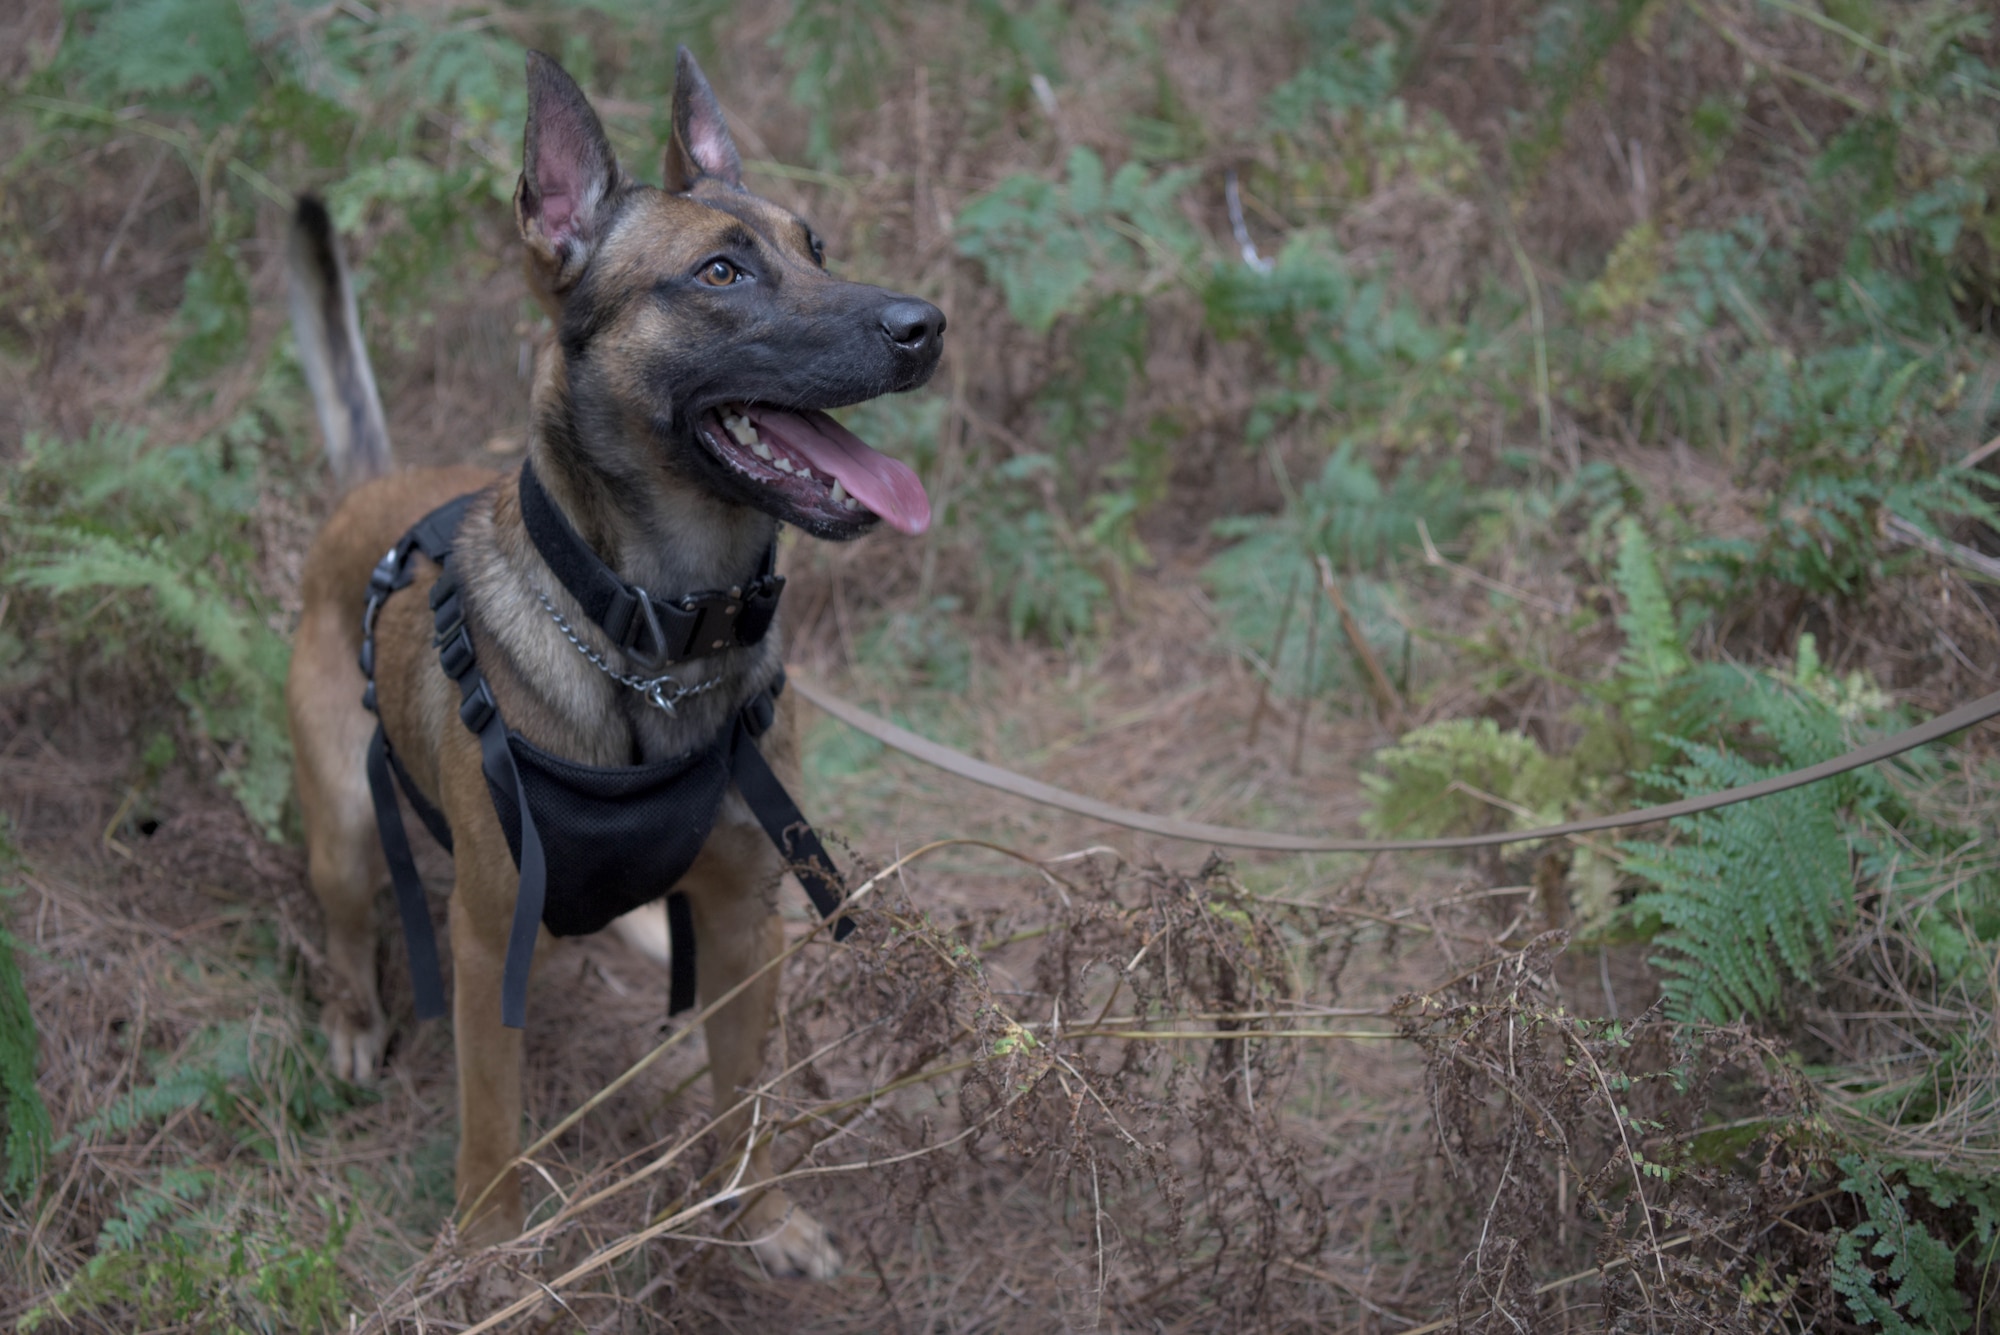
{"x":677,"y":418}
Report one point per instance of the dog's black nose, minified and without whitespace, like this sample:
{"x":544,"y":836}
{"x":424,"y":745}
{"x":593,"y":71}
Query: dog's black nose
{"x":911,"y":324}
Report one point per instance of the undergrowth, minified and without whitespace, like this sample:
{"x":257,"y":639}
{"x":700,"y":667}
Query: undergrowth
{"x":151,"y":553}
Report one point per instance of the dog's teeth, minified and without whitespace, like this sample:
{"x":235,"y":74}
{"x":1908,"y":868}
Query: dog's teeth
{"x":839,"y":493}
{"x":762,"y":451}
{"x":782,"y":464}
{"x":749,"y":434}
{"x":851,"y":503}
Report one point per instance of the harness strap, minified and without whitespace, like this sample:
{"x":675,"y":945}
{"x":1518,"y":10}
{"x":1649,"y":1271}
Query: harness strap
{"x":786,"y":826}
{"x":680,"y":953}
{"x":433,"y":819}
{"x":432,"y":535}
{"x":653,"y":629}
{"x":497,"y":760}
{"x":426,"y":981}
{"x":481,"y":715}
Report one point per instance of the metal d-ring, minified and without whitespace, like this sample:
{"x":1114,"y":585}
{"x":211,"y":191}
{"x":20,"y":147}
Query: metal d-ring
{"x":658,"y":657}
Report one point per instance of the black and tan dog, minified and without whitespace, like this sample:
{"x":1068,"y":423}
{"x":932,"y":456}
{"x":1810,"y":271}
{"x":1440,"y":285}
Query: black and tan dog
{"x":677,"y":419}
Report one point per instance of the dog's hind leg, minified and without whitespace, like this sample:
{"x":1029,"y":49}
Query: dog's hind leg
{"x":330,"y":735}
{"x":730,"y":890}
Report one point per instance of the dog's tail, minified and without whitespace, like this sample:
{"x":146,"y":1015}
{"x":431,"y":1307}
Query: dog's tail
{"x":336,"y":362}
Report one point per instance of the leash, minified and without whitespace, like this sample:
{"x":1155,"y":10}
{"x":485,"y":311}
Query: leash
{"x":966,"y":767}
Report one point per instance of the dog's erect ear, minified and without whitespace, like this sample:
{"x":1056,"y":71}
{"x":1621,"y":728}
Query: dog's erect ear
{"x":701,"y":145}
{"x":567,"y":173}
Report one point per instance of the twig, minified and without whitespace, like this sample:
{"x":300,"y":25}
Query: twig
{"x":186,"y":144}
{"x":701,"y":1016}
{"x":1277,"y":647}
{"x":1980,"y":455}
{"x":1345,"y":1286}
{"x":1756,"y":56}
{"x":1221,"y":1035}
{"x":1433,"y":557}
{"x":1306,"y":685}
{"x":631,"y":1242}
{"x":1388,"y":704}
{"x":1631,"y":1157}
{"x":1543,"y":410}
{"x":1553,"y":1285}
{"x":1874,"y":48}
{"x":1900,"y":530}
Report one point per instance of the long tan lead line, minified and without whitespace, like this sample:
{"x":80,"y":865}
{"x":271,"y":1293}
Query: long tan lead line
{"x":965,"y":766}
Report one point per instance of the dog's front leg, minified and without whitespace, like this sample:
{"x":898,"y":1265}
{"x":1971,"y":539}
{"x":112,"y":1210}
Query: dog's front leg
{"x":736,"y":933}
{"x":489,"y":1053}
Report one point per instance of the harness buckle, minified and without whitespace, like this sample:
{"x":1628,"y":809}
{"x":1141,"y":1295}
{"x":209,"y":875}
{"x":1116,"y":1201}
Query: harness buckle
{"x":455,"y":653}
{"x":478,"y":708}
{"x":715,"y":615}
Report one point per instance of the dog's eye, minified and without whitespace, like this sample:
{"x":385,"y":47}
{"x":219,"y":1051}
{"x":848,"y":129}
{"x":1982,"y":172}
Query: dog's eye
{"x":818,"y":248}
{"x":719,"y":273}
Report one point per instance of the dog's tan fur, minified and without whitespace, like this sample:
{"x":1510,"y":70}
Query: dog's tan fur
{"x":649,"y":520}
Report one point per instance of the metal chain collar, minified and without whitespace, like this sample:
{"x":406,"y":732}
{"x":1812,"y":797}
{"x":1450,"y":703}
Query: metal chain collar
{"x":653,"y":688}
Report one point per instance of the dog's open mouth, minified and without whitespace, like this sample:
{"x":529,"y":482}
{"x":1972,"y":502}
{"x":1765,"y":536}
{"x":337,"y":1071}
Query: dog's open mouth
{"x":817,"y":465}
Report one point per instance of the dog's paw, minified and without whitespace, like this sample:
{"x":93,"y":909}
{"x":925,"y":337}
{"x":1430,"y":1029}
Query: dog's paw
{"x":788,"y":1241}
{"x":355,"y":1050}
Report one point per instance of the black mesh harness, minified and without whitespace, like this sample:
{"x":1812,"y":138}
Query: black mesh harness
{"x":591,"y":842}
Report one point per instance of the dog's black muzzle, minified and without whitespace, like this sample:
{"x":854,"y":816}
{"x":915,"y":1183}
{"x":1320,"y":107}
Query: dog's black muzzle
{"x":915,"y":332}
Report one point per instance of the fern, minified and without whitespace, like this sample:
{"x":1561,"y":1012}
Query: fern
{"x":174,"y":1254}
{"x":1758,"y":878}
{"x":838,"y":51}
{"x":1654,"y":656}
{"x":126,"y":1229}
{"x":1048,"y":244}
{"x":1921,"y":1274}
{"x":1347,"y":514}
{"x":219,"y":1067}
{"x":1466,"y":776}
{"x":197,"y":49}
{"x":214,"y":316}
{"x":172,"y":526}
{"x":217,"y":1063}
{"x":24,"y":1114}
{"x":245,"y":697}
{"x":1037,"y":567}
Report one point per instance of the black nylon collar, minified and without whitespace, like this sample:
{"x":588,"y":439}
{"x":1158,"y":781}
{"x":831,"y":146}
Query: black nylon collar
{"x":653,"y":630}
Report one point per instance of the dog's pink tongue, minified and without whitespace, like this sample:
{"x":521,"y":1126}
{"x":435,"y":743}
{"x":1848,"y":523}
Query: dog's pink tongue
{"x":884,"y":485}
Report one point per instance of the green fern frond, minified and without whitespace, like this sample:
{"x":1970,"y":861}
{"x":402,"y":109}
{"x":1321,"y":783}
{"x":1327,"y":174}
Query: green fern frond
{"x":21,"y":1107}
{"x":1922,"y":1297}
{"x":216,"y":1063}
{"x":1750,"y":890}
{"x":127,"y":1227}
{"x":23,"y":1113}
{"x":1655,"y":655}
{"x":1465,"y":776}
{"x":1046,"y":245}
{"x":170,"y":531}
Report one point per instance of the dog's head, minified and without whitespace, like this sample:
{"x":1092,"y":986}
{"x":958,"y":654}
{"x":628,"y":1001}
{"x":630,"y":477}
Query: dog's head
{"x":702,"y":318}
